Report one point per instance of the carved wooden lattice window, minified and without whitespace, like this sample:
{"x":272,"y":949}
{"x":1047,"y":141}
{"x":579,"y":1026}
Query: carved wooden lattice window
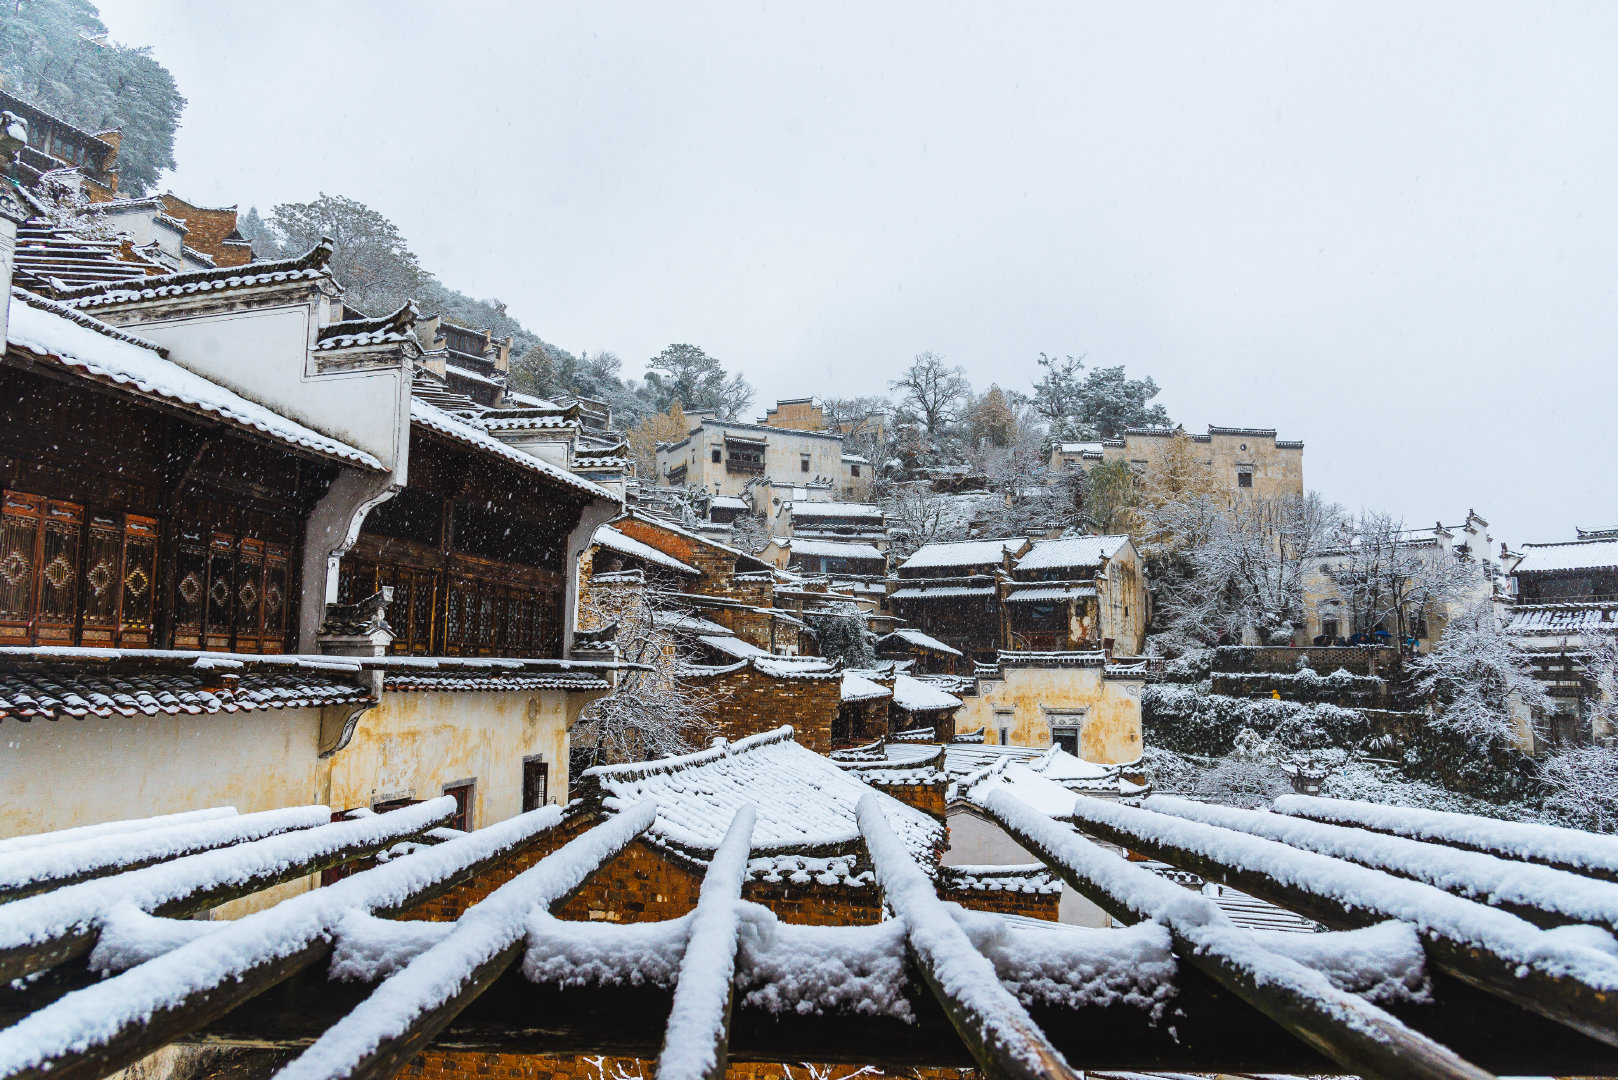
{"x":71,"y":578}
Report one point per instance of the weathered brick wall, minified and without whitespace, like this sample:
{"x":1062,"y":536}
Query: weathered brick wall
{"x":928,"y":798}
{"x":748,"y":702}
{"x":1035,"y":905}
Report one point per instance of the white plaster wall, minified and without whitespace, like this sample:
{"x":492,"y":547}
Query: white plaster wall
{"x":55,"y":774}
{"x":974,"y":840}
{"x":264,"y":356}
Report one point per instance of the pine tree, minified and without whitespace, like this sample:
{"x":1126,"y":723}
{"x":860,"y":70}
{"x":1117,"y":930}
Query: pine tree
{"x":55,"y":55}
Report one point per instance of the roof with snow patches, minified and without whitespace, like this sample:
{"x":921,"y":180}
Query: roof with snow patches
{"x":1075,"y":552}
{"x":963,"y":553}
{"x":1571,"y":555}
{"x":609,"y":537}
{"x":60,"y":335}
{"x":938,"y":985}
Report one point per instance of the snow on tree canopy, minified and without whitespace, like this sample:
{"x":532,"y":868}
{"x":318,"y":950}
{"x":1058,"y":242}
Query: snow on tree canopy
{"x":75,"y":340}
{"x":914,"y":695}
{"x":1082,"y":552}
{"x":803,"y":799}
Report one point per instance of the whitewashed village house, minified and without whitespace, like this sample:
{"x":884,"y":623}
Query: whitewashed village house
{"x":227,"y":461}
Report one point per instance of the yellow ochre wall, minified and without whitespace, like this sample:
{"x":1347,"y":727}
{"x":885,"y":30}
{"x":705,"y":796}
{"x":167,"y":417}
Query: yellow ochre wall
{"x":414,"y":743}
{"x":56,"y":774}
{"x":1109,"y":735}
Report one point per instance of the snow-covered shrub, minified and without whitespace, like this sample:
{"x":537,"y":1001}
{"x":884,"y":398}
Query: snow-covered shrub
{"x":1582,"y":787}
{"x":1191,"y":666}
{"x":1171,"y":773}
{"x":1239,"y":780}
{"x":1190,"y":719}
{"x":1482,"y":690}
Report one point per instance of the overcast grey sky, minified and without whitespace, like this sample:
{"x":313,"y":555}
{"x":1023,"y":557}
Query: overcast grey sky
{"x":1387,"y":230}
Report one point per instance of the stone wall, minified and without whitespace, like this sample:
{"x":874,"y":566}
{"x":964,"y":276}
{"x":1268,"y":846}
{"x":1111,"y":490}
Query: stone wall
{"x":1282,"y":660}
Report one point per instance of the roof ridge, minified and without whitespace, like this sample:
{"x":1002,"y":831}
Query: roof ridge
{"x":89,"y":322}
{"x":315,"y":258}
{"x":636,"y":770}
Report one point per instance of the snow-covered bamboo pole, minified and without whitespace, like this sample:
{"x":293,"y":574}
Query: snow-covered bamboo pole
{"x":103,"y":1027}
{"x":1003,"y":1038}
{"x":696,"y":1041}
{"x":1540,"y":894}
{"x":35,"y":870}
{"x":387,"y":1029}
{"x":1545,"y":971}
{"x":1584,"y":853}
{"x":1346,"y":1028}
{"x":44,"y":930}
{"x":112,"y":828}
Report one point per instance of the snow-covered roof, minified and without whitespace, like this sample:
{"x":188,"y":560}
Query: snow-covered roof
{"x":963,"y":553}
{"x":1044,"y":593}
{"x":502,"y":682}
{"x":859,"y":688}
{"x":59,"y":334}
{"x":728,"y":502}
{"x":53,"y":694}
{"x":832,"y":549}
{"x":1071,"y":551}
{"x":1571,"y":555}
{"x":803,"y":799}
{"x":691,"y":624}
{"x":920,"y":640}
{"x":306,"y":267}
{"x":464,"y":431}
{"x":1080,"y":448}
{"x":835,"y":510}
{"x":913,"y":695}
{"x":609,"y":537}
{"x":1042,"y":793}
{"x":731,"y":645}
{"x":940,"y":592}
{"x":1556,"y":619}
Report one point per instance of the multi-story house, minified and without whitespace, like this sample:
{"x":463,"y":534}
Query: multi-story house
{"x":1564,"y":601}
{"x":250,"y":567}
{"x":1247,"y":461}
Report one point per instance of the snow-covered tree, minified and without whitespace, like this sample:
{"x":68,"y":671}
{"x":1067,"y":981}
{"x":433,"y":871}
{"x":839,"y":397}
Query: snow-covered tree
{"x":1246,"y":568}
{"x":55,"y":54}
{"x":687,"y":375}
{"x":1098,"y":405}
{"x":1385,"y":573}
{"x":1482,"y":692}
{"x":670,"y":426}
{"x":651,"y":713}
{"x":917,"y":515}
{"x":1581,"y":785}
{"x":933,"y":394}
{"x":370,"y":260}
{"x":1107,"y":494}
{"x":991,"y":420}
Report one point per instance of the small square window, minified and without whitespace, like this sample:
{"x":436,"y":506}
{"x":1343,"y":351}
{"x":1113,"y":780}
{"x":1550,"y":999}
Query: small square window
{"x":718,"y":455}
{"x":1244,"y":479}
{"x":803,"y":462}
{"x":854,"y":470}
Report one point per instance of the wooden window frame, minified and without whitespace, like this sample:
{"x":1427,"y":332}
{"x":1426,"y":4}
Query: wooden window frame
{"x":535,"y":765}
{"x":465,"y":793}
